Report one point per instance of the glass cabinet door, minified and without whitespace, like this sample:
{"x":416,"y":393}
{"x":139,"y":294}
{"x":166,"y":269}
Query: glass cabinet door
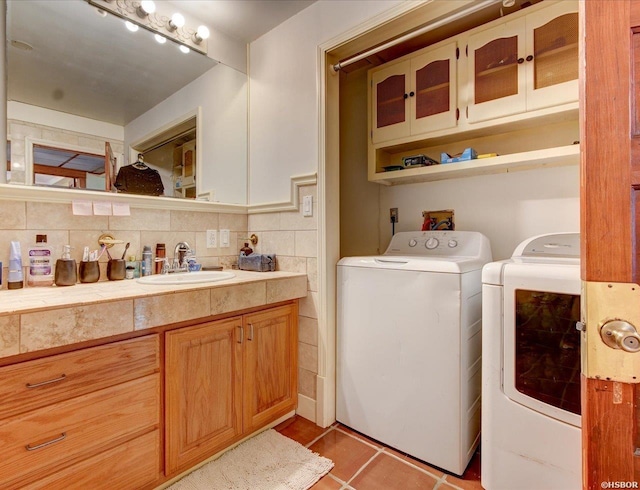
{"x":496,"y":73}
{"x":390,"y":117}
{"x":552,"y":56}
{"x":433,"y":91}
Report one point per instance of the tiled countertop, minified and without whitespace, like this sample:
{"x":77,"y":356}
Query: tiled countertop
{"x":33,"y":319}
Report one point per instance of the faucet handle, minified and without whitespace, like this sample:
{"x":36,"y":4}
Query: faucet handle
{"x":166,"y":266}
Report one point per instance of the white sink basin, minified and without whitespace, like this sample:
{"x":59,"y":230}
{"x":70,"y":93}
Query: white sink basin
{"x":187,"y":277}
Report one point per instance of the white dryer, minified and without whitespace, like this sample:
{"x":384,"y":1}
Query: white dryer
{"x":408,"y":345}
{"x":531,"y":367}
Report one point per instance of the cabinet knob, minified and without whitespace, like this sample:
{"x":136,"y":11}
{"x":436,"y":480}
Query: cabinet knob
{"x":411,"y":94}
{"x":406,"y":96}
{"x":520,"y":61}
{"x":530,"y":57}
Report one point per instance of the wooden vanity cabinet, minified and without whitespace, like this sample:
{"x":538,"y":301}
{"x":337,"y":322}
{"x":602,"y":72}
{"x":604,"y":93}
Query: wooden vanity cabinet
{"x":270,"y":365}
{"x":67,"y":421}
{"x":203,"y":366}
{"x":226,"y":379}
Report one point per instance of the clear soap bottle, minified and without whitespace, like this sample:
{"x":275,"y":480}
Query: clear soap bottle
{"x":40,"y":272}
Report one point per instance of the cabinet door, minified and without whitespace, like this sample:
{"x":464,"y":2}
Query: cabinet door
{"x":203,"y":390}
{"x":432,"y":98}
{"x":270,"y":365}
{"x":389,"y":109}
{"x":496,"y":72}
{"x":552,"y":56}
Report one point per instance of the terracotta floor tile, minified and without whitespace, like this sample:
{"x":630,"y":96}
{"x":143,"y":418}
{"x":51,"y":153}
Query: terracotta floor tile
{"x":326,"y":483}
{"x":347,"y":453}
{"x":387,"y":473}
{"x":346,"y":429}
{"x":409,"y":459}
{"x":458,"y":483}
{"x":299,"y":429}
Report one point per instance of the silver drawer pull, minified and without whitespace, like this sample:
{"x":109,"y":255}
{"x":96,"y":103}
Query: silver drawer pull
{"x":29,"y":447}
{"x":43,"y":383}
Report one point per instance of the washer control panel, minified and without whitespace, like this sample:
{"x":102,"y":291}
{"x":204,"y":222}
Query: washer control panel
{"x":439,"y":244}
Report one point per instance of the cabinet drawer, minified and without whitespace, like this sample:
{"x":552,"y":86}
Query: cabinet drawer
{"x":47,"y":439}
{"x":34,"y":384}
{"x":130,"y":465}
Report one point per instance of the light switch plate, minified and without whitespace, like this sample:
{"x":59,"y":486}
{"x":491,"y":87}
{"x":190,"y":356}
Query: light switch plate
{"x":224,"y":238}
{"x":307,"y":206}
{"x":212,"y":238}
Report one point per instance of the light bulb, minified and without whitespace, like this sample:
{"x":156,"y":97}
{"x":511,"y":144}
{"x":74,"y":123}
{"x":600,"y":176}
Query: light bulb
{"x":160,"y":39}
{"x":184,"y":49}
{"x":201,"y":33}
{"x":177,"y":21}
{"x":145,"y":8}
{"x":148,"y":6}
{"x":131,"y":26}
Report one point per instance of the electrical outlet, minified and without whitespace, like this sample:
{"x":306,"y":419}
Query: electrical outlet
{"x":224,"y":238}
{"x":393,"y":215}
{"x":212,"y":238}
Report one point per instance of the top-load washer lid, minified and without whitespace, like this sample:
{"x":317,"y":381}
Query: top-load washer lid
{"x":555,"y":254}
{"x":433,"y":251}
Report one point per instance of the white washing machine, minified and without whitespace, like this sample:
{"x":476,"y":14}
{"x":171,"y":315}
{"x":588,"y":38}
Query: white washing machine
{"x":531,"y":367}
{"x":408,"y":345}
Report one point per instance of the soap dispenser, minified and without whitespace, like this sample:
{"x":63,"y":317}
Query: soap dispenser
{"x":66,"y":270}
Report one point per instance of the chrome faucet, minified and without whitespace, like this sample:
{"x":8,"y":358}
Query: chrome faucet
{"x":181,"y":255}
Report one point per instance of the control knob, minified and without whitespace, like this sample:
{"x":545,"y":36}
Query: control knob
{"x":431,"y":243}
{"x":453,"y":243}
{"x":413,"y":242}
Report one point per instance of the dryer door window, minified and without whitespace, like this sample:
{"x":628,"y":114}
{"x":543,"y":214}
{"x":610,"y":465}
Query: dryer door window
{"x":547,"y":348}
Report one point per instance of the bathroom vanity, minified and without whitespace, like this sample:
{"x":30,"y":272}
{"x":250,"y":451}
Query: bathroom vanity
{"x":123,"y":385}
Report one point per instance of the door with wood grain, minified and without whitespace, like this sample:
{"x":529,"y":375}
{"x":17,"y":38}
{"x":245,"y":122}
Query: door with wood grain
{"x":610,"y":228}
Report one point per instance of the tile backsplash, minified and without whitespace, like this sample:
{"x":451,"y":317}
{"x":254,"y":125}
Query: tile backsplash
{"x":23,"y":220}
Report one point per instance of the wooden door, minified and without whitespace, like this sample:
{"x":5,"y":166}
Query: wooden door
{"x":610,"y":181}
{"x":203,"y":391}
{"x":270,"y":365}
{"x":110,"y":170}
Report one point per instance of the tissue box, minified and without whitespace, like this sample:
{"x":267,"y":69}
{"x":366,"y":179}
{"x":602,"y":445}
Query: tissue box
{"x":467,"y":154}
{"x":257,"y":262}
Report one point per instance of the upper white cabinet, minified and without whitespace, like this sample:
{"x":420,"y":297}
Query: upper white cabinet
{"x":508,"y":88}
{"x":523,"y":65}
{"x":411,"y":96}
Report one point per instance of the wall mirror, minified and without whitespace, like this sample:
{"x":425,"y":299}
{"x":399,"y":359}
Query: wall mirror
{"x":79,"y":81}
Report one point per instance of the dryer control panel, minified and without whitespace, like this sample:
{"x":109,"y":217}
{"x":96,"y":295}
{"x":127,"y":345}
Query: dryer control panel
{"x":440,"y":244}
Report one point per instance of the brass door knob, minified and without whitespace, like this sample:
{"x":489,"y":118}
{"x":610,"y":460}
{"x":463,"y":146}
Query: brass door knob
{"x":619,"y":334}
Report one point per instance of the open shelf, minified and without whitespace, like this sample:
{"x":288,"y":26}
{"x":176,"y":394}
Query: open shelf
{"x":549,"y":157}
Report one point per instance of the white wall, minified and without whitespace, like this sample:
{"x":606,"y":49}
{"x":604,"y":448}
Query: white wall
{"x":506,"y":207}
{"x":222,"y":95}
{"x":283,"y":105}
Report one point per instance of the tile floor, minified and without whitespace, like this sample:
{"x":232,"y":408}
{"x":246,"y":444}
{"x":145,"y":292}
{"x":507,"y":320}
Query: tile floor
{"x":364,"y":464}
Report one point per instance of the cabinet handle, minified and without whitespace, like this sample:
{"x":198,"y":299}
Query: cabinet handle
{"x":241,"y":334}
{"x":62,"y":436}
{"x":250,"y":331}
{"x":406,"y":96}
{"x":520,"y":61}
{"x":530,"y":57}
{"x":411,"y":94}
{"x":43,"y":383}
